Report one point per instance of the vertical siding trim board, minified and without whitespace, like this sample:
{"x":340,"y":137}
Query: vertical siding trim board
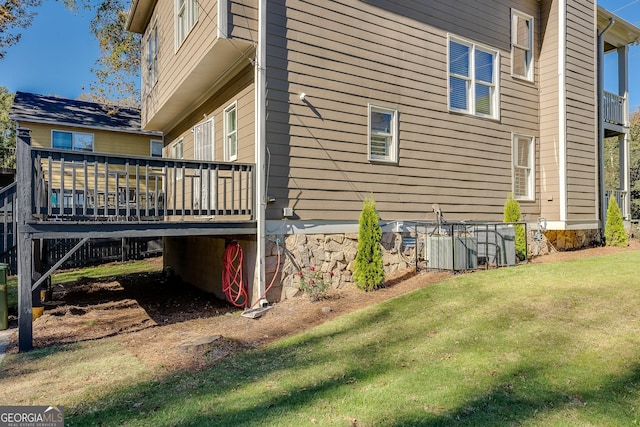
{"x":260,"y":196}
{"x":562,"y":106}
{"x":223,"y":19}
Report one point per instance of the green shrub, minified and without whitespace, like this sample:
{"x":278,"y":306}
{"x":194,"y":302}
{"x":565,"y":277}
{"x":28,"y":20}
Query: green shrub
{"x":512,"y":214}
{"x":614,"y":232}
{"x":369,"y":270}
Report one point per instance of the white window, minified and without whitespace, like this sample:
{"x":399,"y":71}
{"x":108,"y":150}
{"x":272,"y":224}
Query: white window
{"x":521,"y":45}
{"x":203,"y":150}
{"x":231,"y":132}
{"x":177,"y":152}
{"x":523,"y":167}
{"x":473,"y":78}
{"x":152,"y":49}
{"x":76,"y":141}
{"x":383,"y":134}
{"x":203,"y":141}
{"x":156,"y":148}
{"x":186,"y":17}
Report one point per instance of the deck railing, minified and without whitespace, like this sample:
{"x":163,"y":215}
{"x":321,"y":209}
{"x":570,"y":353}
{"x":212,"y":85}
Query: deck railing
{"x":614,"y":108}
{"x":621,"y":199}
{"x":70,"y":185}
{"x":8,"y":226}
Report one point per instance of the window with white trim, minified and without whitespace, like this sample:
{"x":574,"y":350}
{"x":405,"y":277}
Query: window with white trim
{"x":76,"y":141}
{"x":186,"y":17}
{"x":383,"y":134}
{"x":521,"y":45}
{"x":231,"y":132}
{"x":152,"y":49}
{"x":177,"y":152}
{"x":523,"y":167}
{"x":156,"y":148}
{"x":203,"y":141}
{"x":473,"y":78}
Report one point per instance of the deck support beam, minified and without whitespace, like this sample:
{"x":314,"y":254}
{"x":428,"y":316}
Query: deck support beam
{"x":25,"y":240}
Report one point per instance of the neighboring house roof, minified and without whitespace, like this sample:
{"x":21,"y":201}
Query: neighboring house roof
{"x":30,"y":107}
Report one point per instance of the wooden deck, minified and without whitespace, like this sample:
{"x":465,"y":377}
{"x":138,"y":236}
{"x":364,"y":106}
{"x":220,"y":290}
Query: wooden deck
{"x":71,"y":194}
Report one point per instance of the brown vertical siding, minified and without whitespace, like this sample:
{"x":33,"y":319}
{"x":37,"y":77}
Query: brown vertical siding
{"x":581,"y":111}
{"x":549,"y":122}
{"x":344,"y":55}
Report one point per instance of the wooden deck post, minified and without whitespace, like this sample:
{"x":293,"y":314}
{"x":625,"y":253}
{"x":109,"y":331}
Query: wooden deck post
{"x":25,"y":250}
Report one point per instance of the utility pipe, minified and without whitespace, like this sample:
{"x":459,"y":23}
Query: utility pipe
{"x":260,"y":149}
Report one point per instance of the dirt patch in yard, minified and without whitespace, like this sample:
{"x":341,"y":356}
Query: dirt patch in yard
{"x":172,"y":325}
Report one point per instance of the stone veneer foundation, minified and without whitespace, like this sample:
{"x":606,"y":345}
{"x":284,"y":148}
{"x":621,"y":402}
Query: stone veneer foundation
{"x":326,"y":253}
{"x":336,"y":253}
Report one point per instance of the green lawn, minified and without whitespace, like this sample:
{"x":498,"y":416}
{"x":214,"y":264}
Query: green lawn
{"x":536,"y":345}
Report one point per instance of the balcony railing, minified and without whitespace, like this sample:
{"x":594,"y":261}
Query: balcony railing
{"x":621,"y":199}
{"x":80,"y":186}
{"x":614,"y":108}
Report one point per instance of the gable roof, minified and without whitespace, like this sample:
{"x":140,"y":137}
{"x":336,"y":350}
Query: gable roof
{"x":30,"y":107}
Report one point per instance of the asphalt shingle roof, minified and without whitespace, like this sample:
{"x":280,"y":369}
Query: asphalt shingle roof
{"x":62,"y":111}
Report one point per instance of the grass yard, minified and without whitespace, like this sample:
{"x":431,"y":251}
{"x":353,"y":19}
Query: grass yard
{"x":538,"y":345}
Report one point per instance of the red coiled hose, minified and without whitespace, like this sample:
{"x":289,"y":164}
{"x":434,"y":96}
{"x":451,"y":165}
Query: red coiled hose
{"x":233,"y":281}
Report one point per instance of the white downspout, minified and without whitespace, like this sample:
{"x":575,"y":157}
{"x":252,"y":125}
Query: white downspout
{"x":260,"y":150}
{"x":562,"y":109}
{"x":600,"y":67}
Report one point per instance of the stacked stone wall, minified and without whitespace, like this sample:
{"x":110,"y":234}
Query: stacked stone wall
{"x":331,"y":255}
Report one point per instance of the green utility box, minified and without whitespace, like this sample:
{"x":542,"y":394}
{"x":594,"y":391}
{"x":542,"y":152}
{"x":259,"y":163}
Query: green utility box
{"x":4,"y":297}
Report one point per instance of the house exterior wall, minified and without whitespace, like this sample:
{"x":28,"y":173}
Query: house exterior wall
{"x":346,"y":55}
{"x":104,"y":141}
{"x":581,"y":81}
{"x":178,"y":64}
{"x":549,"y":143}
{"x":241,"y":90}
{"x":388,"y":54}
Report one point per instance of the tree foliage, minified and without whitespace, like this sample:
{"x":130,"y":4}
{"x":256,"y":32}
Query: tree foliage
{"x":15,"y":15}
{"x":7,"y":130}
{"x":369,"y":269}
{"x":614,"y":232}
{"x":634,"y":162}
{"x":117,"y":69}
{"x":512,"y":214}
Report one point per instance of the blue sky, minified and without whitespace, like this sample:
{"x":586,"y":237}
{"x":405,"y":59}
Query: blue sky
{"x":57,"y":52}
{"x":54,"y":56}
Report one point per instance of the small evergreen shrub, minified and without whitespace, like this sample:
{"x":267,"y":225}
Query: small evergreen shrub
{"x":512,"y":214}
{"x":369,"y":270}
{"x":614,"y":232}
